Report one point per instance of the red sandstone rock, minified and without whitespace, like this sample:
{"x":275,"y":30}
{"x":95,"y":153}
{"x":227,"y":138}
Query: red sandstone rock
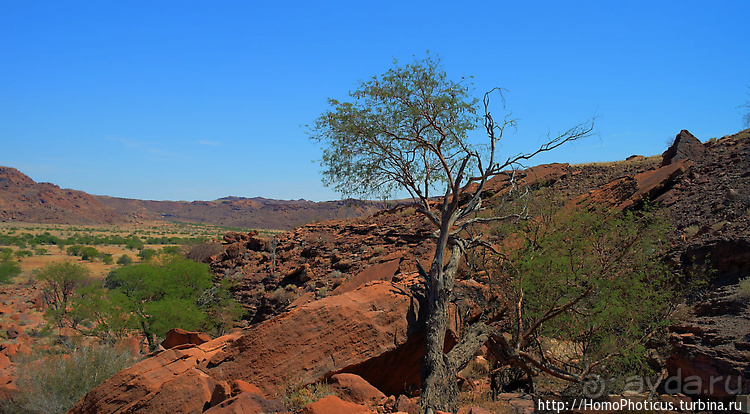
{"x":334,"y":405}
{"x":407,"y":405}
{"x":176,"y":337}
{"x":247,"y":403}
{"x":240,"y":386}
{"x":382,"y":271}
{"x":342,"y":333}
{"x":353,"y":388}
{"x":347,"y":330}
{"x":626,"y":192}
{"x":167,"y":382}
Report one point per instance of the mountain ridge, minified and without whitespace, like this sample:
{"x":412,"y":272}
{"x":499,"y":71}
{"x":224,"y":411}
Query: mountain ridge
{"x":24,"y":200}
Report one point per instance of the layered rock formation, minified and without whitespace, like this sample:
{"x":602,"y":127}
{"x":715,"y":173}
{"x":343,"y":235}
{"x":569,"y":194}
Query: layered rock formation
{"x":332,"y":335}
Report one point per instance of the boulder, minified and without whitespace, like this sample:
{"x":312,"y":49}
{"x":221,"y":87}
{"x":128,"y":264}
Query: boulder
{"x":334,"y":405}
{"x":239,"y":386}
{"x":382,"y":271}
{"x":353,"y":388}
{"x":247,"y":403}
{"x":170,"y":381}
{"x":177,"y":337}
{"x":407,"y":405}
{"x":379,"y":321}
{"x":685,"y":147}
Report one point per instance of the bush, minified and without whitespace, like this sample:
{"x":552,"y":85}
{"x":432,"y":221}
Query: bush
{"x":53,"y":383}
{"x":6,"y":254}
{"x":296,"y":396}
{"x":146,"y":254}
{"x":172,"y":292}
{"x":124,"y":260}
{"x":744,"y":288}
{"x":74,"y":250}
{"x":23,"y":253}
{"x":8,"y":270}
{"x":106,"y":258}
{"x":89,"y":253}
{"x":60,"y":280}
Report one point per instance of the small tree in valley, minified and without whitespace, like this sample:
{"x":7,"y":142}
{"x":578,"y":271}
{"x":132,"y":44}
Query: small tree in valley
{"x":60,"y":280}
{"x":408,"y":130}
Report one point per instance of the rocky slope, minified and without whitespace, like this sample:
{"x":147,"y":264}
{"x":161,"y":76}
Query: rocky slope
{"x":24,"y":200}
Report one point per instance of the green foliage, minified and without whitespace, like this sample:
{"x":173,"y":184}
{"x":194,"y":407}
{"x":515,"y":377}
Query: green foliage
{"x":154,"y":297}
{"x":89,"y":253}
{"x":147,"y":254}
{"x":106,"y":258}
{"x":171,"y":250}
{"x":220,"y":307}
{"x":592,"y":283}
{"x":74,"y":250}
{"x":133,"y":243}
{"x":125,"y":260}
{"x":23,"y":253}
{"x":106,"y":314}
{"x":59,"y":281}
{"x":6,"y":254}
{"x":8,"y":270}
{"x":388,"y":135}
{"x":296,"y":396}
{"x":743,"y":289}
{"x":51,"y":384}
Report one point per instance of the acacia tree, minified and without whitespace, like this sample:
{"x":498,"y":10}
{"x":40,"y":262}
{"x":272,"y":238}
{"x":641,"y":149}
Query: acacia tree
{"x":408,"y":130}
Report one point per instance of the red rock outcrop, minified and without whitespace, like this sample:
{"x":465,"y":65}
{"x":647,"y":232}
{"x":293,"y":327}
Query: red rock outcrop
{"x":685,"y":146}
{"x":168,"y":382}
{"x":353,"y":388}
{"x":323,"y":337}
{"x":710,"y":354}
{"x":178,"y":337}
{"x":334,"y":405}
{"x":315,"y":340}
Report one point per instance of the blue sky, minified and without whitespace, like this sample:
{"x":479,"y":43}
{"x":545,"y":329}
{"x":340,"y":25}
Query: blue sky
{"x":196,"y":100}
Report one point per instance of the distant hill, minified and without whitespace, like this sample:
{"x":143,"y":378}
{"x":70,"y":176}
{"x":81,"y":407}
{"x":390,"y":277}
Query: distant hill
{"x":255,"y":212}
{"x":24,"y":200}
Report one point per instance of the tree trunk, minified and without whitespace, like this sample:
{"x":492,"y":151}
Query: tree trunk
{"x":439,"y":386}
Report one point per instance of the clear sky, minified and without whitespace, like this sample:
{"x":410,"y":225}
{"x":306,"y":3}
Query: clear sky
{"x":196,"y":100}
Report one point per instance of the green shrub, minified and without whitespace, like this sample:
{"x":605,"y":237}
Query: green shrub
{"x":59,"y":281}
{"x":296,"y":396}
{"x":744,"y":288}
{"x":106,"y":258}
{"x":74,"y":250}
{"x":53,"y":383}
{"x":8,"y":270}
{"x":89,"y":253}
{"x":23,"y":253}
{"x":146,"y":254}
{"x":125,"y":260}
{"x":172,"y":292}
